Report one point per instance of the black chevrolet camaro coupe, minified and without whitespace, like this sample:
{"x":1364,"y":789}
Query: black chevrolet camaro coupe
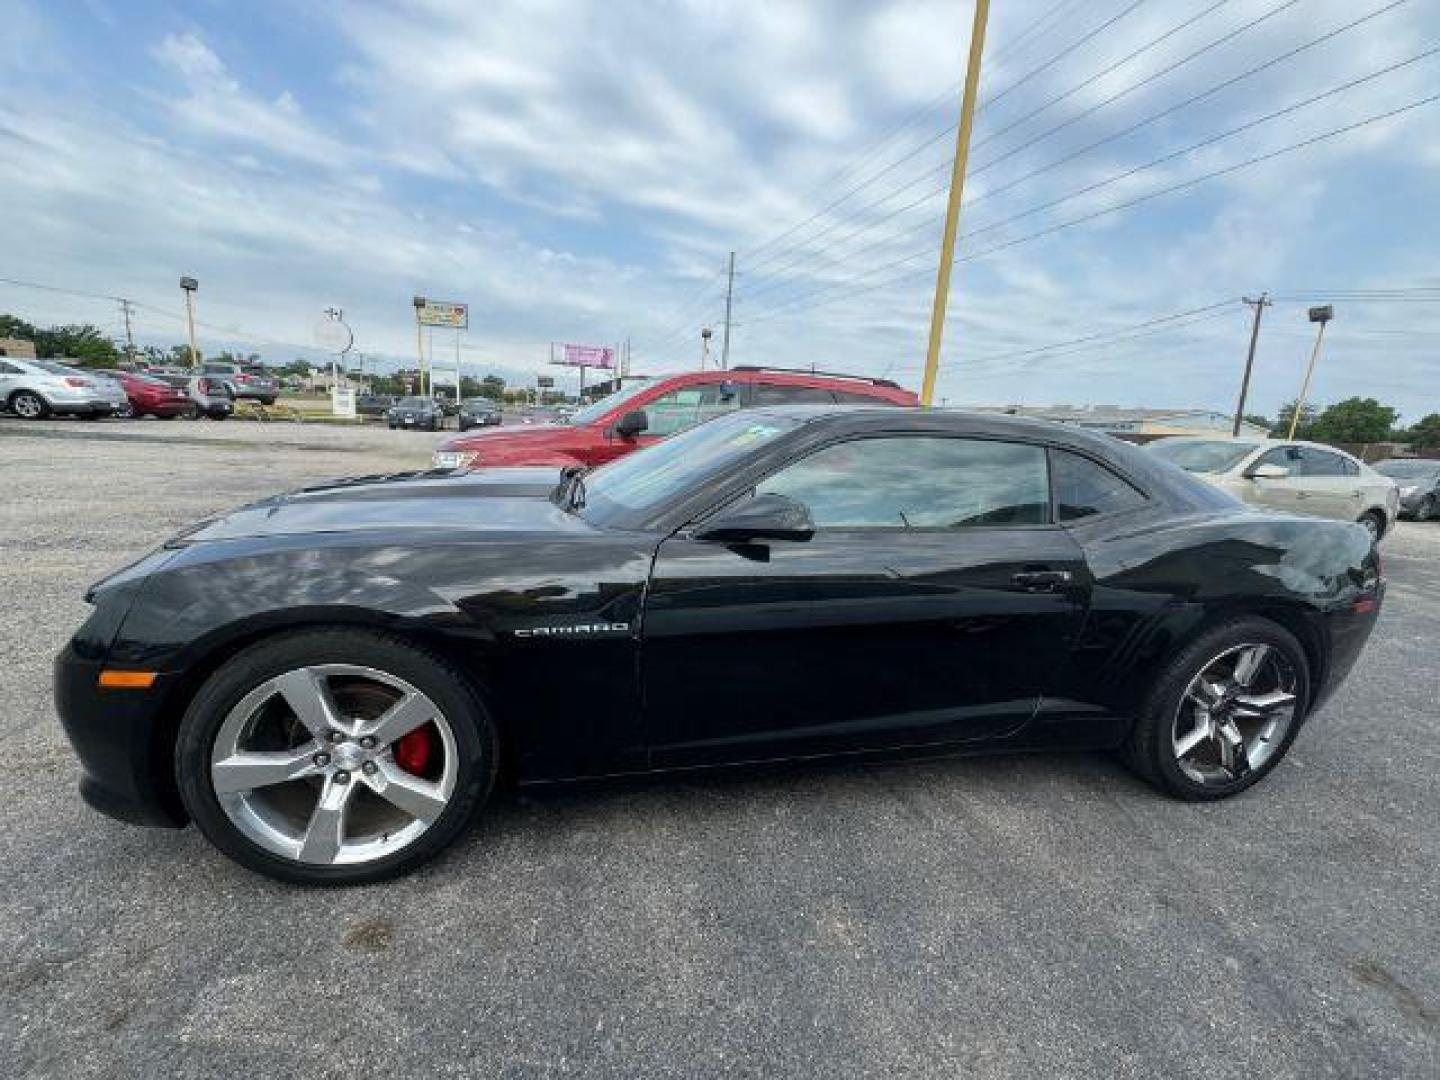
{"x":329,"y":682}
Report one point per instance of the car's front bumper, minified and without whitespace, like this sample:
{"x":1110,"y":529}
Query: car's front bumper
{"x":117,"y":734}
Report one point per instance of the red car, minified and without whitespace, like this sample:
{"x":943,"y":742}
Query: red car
{"x":152,"y":396}
{"x":646,"y":412}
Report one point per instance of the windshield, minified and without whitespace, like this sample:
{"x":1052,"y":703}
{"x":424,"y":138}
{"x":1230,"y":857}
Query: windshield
{"x":626,"y":491}
{"x":1202,"y":456}
{"x":593,"y":412}
{"x":414,"y":403}
{"x":1409,"y":469}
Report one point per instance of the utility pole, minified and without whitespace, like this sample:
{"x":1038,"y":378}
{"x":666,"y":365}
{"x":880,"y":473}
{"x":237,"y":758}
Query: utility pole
{"x":188,"y":285}
{"x":729,"y":301}
{"x":126,"y":307}
{"x":1321,"y":315}
{"x":1259,"y":305}
{"x":957,"y":189}
{"x":420,"y":303}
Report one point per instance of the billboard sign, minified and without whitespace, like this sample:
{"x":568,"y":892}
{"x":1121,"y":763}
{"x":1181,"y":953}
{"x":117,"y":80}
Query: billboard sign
{"x":545,"y":382}
{"x":596,"y":356}
{"x":442,"y":313}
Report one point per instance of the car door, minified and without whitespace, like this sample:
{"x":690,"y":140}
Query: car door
{"x":928,"y":607}
{"x":1331,"y":485}
{"x":672,"y":412}
{"x":1281,"y":492}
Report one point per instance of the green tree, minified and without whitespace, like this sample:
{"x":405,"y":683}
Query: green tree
{"x":1424,"y":434}
{"x":78,"y":341}
{"x":493,"y":387}
{"x":1282,"y":421}
{"x":1354,"y":420}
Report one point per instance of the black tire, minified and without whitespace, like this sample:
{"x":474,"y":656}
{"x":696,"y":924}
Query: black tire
{"x":267,"y":401}
{"x":1375,"y":522}
{"x":220,"y":416}
{"x":1426,"y":510}
{"x":477,"y":751}
{"x":28,"y":405}
{"x":1149,"y":750}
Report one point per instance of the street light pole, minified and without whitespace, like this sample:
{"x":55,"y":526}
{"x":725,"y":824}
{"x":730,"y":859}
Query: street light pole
{"x":952,"y":210}
{"x":188,"y":285}
{"x":419,"y":303}
{"x":1321,"y":315}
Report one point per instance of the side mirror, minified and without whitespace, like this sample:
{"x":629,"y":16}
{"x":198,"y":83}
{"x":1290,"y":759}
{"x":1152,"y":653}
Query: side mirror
{"x":632,"y":424}
{"x":765,"y":517}
{"x":1268,"y":472}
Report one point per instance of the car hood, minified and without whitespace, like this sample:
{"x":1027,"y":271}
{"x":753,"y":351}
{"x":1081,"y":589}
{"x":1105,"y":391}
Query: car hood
{"x":510,"y":435}
{"x":485,"y":501}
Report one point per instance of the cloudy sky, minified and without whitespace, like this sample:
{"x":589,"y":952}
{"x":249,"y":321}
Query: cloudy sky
{"x":580,"y":171}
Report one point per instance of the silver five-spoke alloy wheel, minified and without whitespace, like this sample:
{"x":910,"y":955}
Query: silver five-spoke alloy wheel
{"x":334,"y":764}
{"x":1235,"y":714}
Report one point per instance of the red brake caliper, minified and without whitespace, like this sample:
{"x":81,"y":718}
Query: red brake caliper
{"x":412,"y":752}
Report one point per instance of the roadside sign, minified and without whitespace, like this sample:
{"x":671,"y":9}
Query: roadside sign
{"x":545,"y":382}
{"x":596,"y":356}
{"x":342,"y":401}
{"x":442,"y":313}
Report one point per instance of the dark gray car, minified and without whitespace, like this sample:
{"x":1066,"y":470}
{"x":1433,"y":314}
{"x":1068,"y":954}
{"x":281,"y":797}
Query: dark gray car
{"x":1419,"y":483}
{"x":420,"y":413}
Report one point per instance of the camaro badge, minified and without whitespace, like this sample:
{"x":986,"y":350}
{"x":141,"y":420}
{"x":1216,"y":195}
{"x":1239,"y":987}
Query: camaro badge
{"x":578,"y":630}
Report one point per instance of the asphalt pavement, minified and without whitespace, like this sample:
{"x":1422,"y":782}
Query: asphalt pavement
{"x":1012,"y":916}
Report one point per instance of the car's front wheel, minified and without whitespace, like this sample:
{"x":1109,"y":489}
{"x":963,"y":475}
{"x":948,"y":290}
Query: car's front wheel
{"x":334,"y":756}
{"x":1223,"y":711}
{"x":29,"y":406}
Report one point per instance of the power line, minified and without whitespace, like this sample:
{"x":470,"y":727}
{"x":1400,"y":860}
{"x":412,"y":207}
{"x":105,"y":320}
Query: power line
{"x":1186,"y":103}
{"x":1127,"y":204}
{"x":845,"y":195}
{"x":798,"y":250}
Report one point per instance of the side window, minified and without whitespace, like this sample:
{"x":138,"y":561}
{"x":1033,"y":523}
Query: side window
{"x":1287,"y":457}
{"x":778,"y":394}
{"x":846,"y":397}
{"x":688,"y":406}
{"x":8,"y":369}
{"x":1084,"y":489}
{"x":1319,"y":463}
{"x":919,"y":482}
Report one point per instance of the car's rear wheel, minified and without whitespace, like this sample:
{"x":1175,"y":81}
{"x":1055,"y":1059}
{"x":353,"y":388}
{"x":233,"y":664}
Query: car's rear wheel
{"x":334,"y":756}
{"x":29,"y":406}
{"x":1374,"y":523}
{"x":1223,"y":712}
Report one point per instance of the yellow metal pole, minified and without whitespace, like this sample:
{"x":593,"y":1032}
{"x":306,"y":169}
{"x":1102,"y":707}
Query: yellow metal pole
{"x":957,"y":189}
{"x":1305,"y":386}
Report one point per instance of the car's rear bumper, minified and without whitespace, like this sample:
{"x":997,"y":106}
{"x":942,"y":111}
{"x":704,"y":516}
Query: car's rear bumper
{"x":1348,"y":629}
{"x":117,"y":735}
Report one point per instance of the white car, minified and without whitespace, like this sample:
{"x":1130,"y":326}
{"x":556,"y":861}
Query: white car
{"x":33,"y":389}
{"x":1283,"y":474}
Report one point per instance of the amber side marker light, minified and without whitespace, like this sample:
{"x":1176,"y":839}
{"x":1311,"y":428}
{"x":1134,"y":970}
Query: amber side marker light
{"x":128,"y":680}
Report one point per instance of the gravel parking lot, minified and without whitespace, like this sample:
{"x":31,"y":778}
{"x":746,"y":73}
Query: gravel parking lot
{"x":1009,"y":916}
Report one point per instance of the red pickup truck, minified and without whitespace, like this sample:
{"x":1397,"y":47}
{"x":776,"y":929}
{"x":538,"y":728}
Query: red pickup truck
{"x":646,"y":412}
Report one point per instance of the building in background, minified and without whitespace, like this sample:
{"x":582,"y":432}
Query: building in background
{"x":18,"y":348}
{"x":1137,"y":424}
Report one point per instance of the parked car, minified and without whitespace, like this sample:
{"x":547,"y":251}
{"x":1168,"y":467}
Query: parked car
{"x":209,"y":397}
{"x":374,"y":404}
{"x":800,"y":582}
{"x":415,"y":412}
{"x":646,"y":412}
{"x":35,"y":389}
{"x":478,"y":412}
{"x":149,"y":395}
{"x":1418,"y":481}
{"x":244,"y":383}
{"x":1301,"y":477}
